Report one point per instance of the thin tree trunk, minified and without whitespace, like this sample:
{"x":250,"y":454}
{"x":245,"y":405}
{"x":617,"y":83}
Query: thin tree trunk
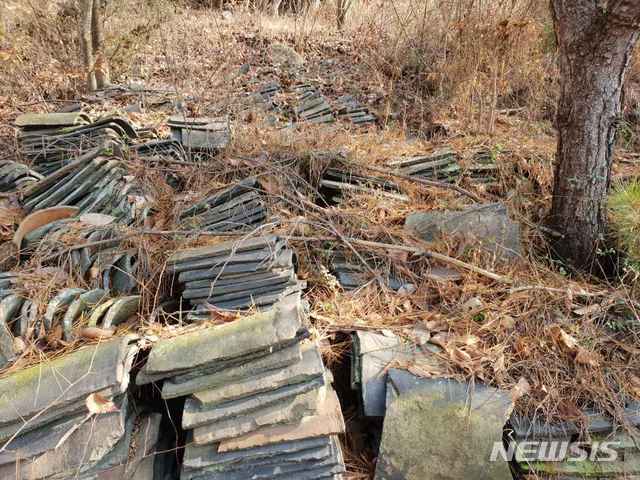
{"x":86,"y":43}
{"x":594,"y":49}
{"x":342,"y":8}
{"x":101,"y":63}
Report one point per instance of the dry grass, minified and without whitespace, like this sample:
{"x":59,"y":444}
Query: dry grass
{"x":483,"y":71}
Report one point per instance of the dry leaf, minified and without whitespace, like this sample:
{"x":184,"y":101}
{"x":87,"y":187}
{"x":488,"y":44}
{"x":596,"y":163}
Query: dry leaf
{"x":97,"y":404}
{"x":498,"y":366}
{"x":520,"y":389}
{"x":221,"y":316}
{"x":441,"y":340}
{"x":563,"y":338}
{"x":635,"y":386}
{"x":522,"y":347}
{"x":96,"y":333}
{"x":586,"y":357}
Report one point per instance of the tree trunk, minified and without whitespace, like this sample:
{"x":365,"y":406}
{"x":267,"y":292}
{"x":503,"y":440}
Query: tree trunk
{"x":342,"y":8}
{"x":86,"y":43}
{"x":594,"y":48}
{"x":101,"y":63}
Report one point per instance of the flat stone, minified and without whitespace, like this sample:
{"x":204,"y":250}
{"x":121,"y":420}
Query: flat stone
{"x":487,"y":224}
{"x":454,"y":424}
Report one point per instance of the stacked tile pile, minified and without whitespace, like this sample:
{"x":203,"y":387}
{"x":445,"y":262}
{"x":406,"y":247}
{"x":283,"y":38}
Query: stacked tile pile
{"x":312,"y":105}
{"x":52,"y":140}
{"x":71,"y":418}
{"x":259,"y":401}
{"x":350,"y":108}
{"x":200,"y":133}
{"x":104,"y":263}
{"x":484,"y":168}
{"x":354,"y":274}
{"x":67,"y":311}
{"x":16,"y":176}
{"x":159,"y":150}
{"x":95,"y":182}
{"x":601,"y":450}
{"x":440,"y":165}
{"x":235,"y":275}
{"x":335,"y":182}
{"x":443,"y":165}
{"x":266,"y":93}
{"x":238,"y":207}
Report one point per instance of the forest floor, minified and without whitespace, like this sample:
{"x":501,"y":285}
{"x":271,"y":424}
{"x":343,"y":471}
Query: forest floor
{"x":558,"y":340}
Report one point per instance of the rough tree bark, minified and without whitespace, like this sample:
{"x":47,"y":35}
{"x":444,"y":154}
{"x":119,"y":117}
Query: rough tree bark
{"x":595,"y":43}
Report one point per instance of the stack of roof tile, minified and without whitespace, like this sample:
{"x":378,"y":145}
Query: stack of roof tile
{"x":47,"y":431}
{"x":104,"y":263}
{"x":235,"y":275}
{"x":16,"y":176}
{"x":94,"y":183}
{"x":68,"y":310}
{"x":559,"y":444}
{"x":200,"y":133}
{"x":440,"y":165}
{"x":352,"y":275}
{"x":312,"y":105}
{"x":238,"y":207}
{"x":260,"y":403}
{"x":266,"y":93}
{"x":350,"y":108}
{"x":158,"y":150}
{"x":484,"y":168}
{"x":334,"y":182}
{"x":52,"y":140}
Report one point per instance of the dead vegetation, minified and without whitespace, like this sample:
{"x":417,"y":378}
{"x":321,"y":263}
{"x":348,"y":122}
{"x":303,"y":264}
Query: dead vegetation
{"x":460,"y":73}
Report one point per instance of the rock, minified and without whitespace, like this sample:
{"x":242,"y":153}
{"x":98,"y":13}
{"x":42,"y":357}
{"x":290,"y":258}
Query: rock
{"x":285,"y":55}
{"x":441,"y":429}
{"x":487,"y":224}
